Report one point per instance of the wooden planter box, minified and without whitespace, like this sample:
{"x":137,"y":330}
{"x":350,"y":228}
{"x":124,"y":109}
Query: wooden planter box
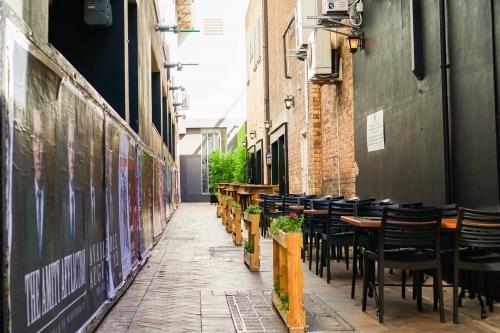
{"x":219,"y":205}
{"x":227,"y":217}
{"x":287,"y":274}
{"x":252,"y":222}
{"x":252,"y":261}
{"x":223,"y":204}
{"x":236,"y":221}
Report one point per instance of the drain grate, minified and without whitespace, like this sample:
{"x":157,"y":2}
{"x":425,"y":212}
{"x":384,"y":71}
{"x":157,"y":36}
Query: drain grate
{"x":256,"y":313}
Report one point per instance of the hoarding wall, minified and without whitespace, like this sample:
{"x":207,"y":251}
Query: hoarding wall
{"x":76,"y":180}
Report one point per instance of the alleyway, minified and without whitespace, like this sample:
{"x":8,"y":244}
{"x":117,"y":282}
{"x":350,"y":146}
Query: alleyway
{"x":196,"y":281}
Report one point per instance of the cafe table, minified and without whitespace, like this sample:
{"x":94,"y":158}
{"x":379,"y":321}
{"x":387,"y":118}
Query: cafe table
{"x":374,"y":222}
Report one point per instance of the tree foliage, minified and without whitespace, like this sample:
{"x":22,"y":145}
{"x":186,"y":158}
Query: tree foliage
{"x":227,"y":167}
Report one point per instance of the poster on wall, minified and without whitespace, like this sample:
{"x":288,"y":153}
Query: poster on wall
{"x":123,"y":212}
{"x":146,"y":231}
{"x":116,"y":277}
{"x":34,"y":243}
{"x":157,"y":195}
{"x":133,"y":206}
{"x":57,"y":258}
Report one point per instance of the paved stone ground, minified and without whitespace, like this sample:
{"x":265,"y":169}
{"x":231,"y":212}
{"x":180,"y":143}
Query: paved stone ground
{"x":195,"y":280}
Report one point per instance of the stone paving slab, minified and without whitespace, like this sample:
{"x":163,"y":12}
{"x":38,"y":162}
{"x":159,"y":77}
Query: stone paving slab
{"x":194,"y":270}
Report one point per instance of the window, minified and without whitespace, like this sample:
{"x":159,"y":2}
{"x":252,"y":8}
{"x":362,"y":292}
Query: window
{"x":211,"y":139}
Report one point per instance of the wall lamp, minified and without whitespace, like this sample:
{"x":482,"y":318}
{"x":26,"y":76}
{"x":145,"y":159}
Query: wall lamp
{"x":268,"y":124}
{"x":176,"y":88}
{"x":356,"y":42}
{"x":252,"y":134}
{"x":163,"y":28}
{"x":244,"y":143}
{"x":177,"y":65}
{"x":289,"y":102}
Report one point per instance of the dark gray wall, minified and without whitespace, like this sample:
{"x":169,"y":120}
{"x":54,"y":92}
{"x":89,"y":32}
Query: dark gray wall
{"x":190,"y":167}
{"x":411,"y":167}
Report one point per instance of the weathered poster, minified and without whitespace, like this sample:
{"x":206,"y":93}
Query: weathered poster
{"x":123,"y":212}
{"x":146,"y":202}
{"x":113,"y":208}
{"x":133,"y":206}
{"x":35,"y":262}
{"x":157,"y":195}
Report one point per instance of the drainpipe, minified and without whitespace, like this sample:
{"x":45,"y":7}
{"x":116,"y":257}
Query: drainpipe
{"x":444,"y":104}
{"x":285,"y":69}
{"x":266,"y":81}
{"x":495,"y":87}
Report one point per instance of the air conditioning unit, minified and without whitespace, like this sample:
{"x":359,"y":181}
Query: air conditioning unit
{"x":319,"y":54}
{"x":334,"y":6}
{"x":303,"y":9}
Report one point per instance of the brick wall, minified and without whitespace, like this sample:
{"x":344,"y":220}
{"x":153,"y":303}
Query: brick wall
{"x":315,"y":111}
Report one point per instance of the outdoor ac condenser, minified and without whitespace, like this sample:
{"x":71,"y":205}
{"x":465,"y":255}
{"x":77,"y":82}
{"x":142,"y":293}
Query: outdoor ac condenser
{"x":334,"y":6}
{"x":319,"y":54}
{"x":303,"y":9}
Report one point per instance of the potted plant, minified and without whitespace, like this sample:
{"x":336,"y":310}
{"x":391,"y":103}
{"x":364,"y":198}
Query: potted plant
{"x":236,"y":221}
{"x":288,"y":279}
{"x":251,"y":217}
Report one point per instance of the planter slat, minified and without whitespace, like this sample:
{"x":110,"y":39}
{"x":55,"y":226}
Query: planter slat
{"x":287,"y":266}
{"x":252,"y":222}
{"x":236,"y":225}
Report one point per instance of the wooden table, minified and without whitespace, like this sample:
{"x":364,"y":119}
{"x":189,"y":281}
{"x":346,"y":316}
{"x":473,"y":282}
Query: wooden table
{"x":374,"y":222}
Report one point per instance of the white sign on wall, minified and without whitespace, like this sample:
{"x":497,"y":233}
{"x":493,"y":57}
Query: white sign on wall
{"x":375,"y":131}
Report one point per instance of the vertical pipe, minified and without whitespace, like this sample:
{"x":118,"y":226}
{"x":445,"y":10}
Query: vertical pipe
{"x":495,"y":90}
{"x":444,"y":101}
{"x":266,"y":78}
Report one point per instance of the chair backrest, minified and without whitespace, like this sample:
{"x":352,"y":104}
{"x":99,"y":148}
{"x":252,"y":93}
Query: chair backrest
{"x":287,"y":202}
{"x":450,"y":210}
{"x":357,"y":199}
{"x":271,"y":200}
{"x":410,"y":228}
{"x":411,"y":205}
{"x":337,"y":198}
{"x":477,"y":229}
{"x":364,"y":209}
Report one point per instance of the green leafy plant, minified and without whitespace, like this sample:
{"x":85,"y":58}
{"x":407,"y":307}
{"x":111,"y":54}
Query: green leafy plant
{"x":289,"y":223}
{"x":253,"y":209}
{"x":276,"y":287}
{"x":248,"y":246}
{"x":284,"y":302}
{"x":236,"y":205}
{"x":229,"y":199}
{"x":217,"y":193}
{"x":229,"y":167}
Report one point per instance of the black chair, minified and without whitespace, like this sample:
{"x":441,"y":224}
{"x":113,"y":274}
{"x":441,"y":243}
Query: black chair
{"x":403,"y":228}
{"x":338,"y":235}
{"x":476,"y":235}
{"x":365,"y":209}
{"x":286,"y":202}
{"x":314,"y":226}
{"x":269,"y":210}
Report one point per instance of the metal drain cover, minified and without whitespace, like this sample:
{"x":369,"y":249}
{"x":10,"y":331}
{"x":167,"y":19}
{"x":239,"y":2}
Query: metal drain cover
{"x":225,"y":252}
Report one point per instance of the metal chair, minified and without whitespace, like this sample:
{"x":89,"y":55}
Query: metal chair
{"x":476,"y":235}
{"x":269,"y":211}
{"x":403,"y":228}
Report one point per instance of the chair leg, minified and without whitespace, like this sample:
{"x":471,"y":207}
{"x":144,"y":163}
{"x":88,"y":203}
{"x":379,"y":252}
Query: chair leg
{"x":380,"y":293}
{"x":418,"y":286}
{"x":322,"y":255}
{"x":455,"y":294}
{"x":365,"y":284}
{"x":439,"y":282}
{"x":328,"y":274}
{"x":346,"y":251}
{"x":316,"y":242}
{"x":403,"y":284}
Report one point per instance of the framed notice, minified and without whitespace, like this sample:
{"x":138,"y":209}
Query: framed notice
{"x":375,"y":131}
